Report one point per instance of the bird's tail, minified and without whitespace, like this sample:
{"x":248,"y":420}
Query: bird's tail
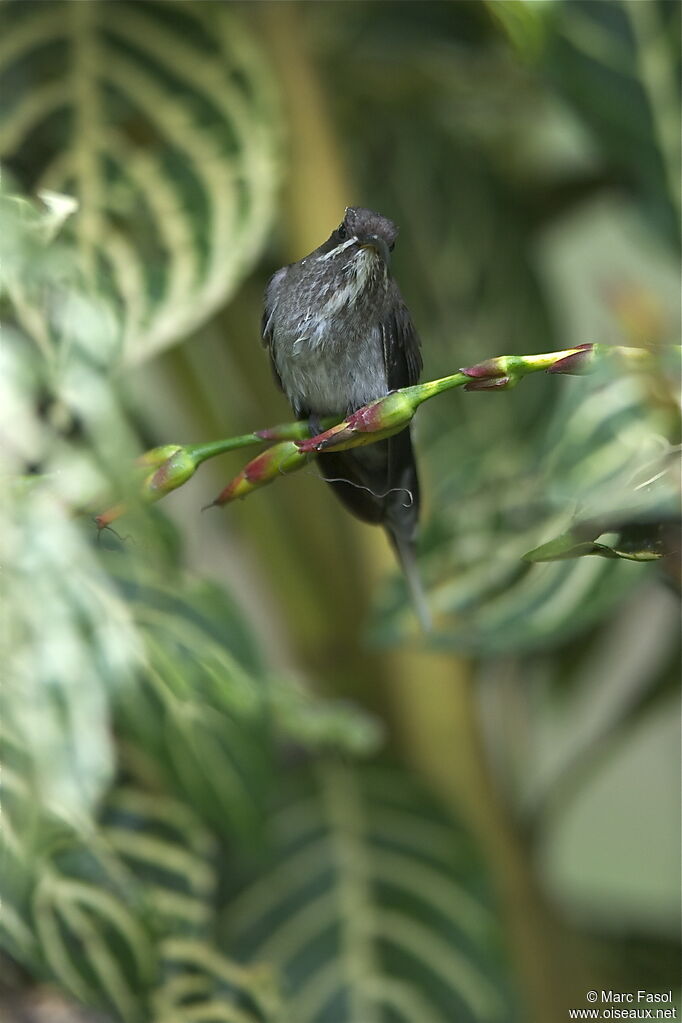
{"x":407,"y":558}
{"x":379,"y":484}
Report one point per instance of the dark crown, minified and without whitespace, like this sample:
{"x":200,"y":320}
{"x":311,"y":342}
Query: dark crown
{"x":363,"y":223}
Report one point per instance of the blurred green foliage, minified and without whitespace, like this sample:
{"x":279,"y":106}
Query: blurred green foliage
{"x":191,"y":829}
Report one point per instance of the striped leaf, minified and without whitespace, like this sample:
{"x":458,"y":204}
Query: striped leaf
{"x":618,"y":63}
{"x":121,"y":915}
{"x":68,"y":641}
{"x":203,"y":986}
{"x":21,"y":835}
{"x":197,"y":707}
{"x":93,"y":941}
{"x":373,"y":906}
{"x":165,"y":846}
{"x":600,"y":457}
{"x":159,"y":119}
{"x":207,"y":714}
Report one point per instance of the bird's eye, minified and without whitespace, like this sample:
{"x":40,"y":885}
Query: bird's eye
{"x":391,"y":247}
{"x":342,"y":232}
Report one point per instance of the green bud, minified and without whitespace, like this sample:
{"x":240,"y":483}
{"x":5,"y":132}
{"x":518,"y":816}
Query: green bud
{"x":157,"y":456}
{"x":170,"y":474}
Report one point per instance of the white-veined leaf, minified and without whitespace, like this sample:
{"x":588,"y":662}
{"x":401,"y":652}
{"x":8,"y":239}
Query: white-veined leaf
{"x":94,"y":943}
{"x":164,"y":845}
{"x":201,"y":985}
{"x":374,"y":907}
{"x":166,"y":848}
{"x":600,"y":455}
{"x":159,"y":119}
{"x":198,"y":708}
{"x":68,"y":640}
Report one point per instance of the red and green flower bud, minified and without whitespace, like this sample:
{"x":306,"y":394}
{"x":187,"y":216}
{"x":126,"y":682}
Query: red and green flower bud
{"x":371,"y":423}
{"x":277,"y":461}
{"x":157,"y":456}
{"x":489,"y":369}
{"x":491,"y":384}
{"x":579,"y":361}
{"x":505,"y":371}
{"x":491,"y":375}
{"x":169,"y":475}
{"x":172,"y":465}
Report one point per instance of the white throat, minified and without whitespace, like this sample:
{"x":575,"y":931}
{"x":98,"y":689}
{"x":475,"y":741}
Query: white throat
{"x":339,"y":248}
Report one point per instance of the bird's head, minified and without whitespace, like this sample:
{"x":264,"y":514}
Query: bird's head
{"x":362,"y":233}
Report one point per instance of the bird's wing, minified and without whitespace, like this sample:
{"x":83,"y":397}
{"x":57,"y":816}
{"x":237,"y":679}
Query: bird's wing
{"x":269,"y":310}
{"x":402,"y":349}
{"x":403,"y":362}
{"x":379,"y":483}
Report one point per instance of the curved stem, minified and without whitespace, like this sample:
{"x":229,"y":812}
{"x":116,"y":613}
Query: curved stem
{"x":298,"y":430}
{"x":174,"y":464}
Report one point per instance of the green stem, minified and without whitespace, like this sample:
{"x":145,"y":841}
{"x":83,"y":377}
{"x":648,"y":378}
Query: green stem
{"x":202,"y":452}
{"x":512,"y":367}
{"x":286,"y":431}
{"x":174,"y":464}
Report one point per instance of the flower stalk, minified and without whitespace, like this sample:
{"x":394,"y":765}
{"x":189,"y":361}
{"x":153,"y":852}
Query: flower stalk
{"x":292,"y":447}
{"x":174,"y":464}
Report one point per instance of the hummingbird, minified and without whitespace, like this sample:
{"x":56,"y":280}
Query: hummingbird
{"x":339,"y":335}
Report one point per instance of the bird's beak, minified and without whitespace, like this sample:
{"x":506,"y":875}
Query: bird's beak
{"x":373,"y":241}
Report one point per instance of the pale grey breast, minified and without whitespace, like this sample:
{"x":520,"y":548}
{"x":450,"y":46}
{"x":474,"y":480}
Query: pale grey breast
{"x":328,"y":353}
